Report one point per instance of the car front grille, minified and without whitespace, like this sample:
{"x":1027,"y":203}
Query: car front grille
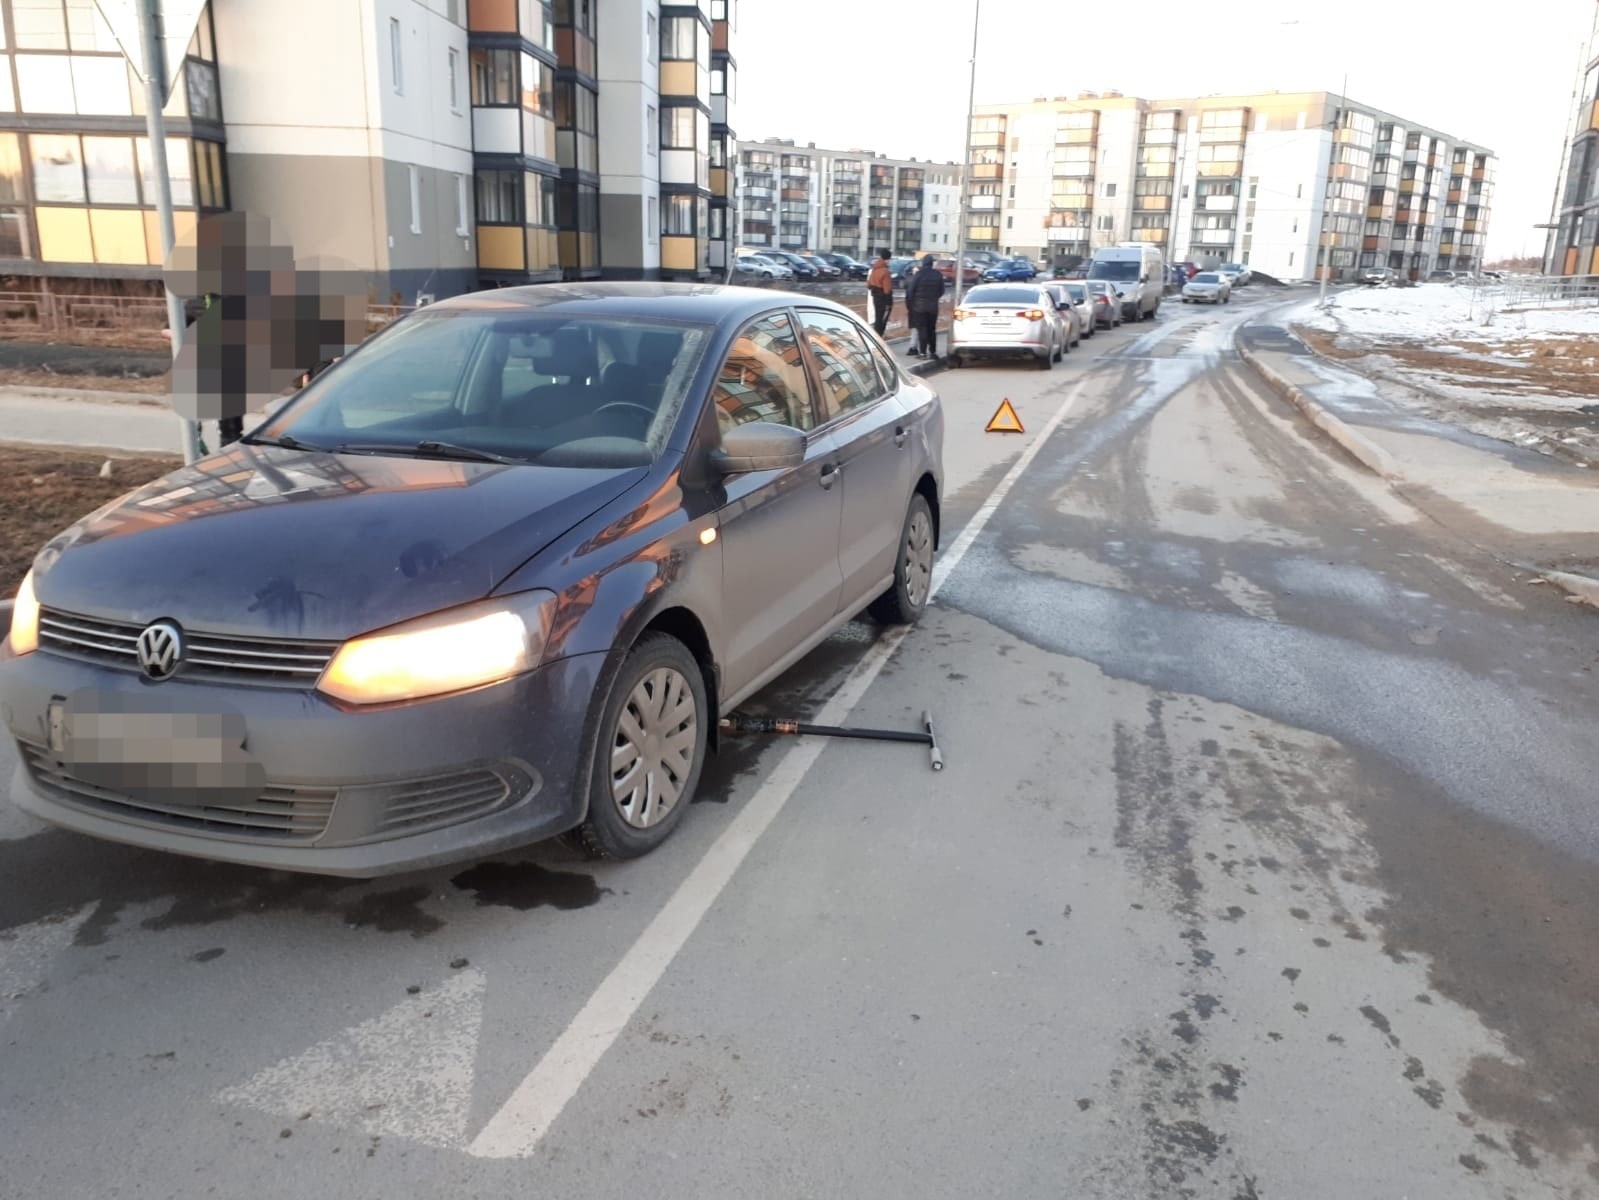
{"x":279,"y":813}
{"x":442,"y":800}
{"x":259,"y":662}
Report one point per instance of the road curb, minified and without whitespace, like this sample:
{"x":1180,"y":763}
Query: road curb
{"x":1365,"y":451}
{"x":1579,"y":587}
{"x":82,"y":395}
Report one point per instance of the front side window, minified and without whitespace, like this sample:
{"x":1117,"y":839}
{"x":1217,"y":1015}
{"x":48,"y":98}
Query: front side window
{"x":850,"y":379}
{"x":763,"y":378}
{"x":532,"y":386}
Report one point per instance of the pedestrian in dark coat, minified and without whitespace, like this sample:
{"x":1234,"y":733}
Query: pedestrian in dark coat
{"x":923,"y":292}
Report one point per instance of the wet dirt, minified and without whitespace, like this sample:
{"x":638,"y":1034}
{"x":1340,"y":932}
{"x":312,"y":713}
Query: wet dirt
{"x":525,"y":886}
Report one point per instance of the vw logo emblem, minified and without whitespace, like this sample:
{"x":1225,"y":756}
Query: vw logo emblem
{"x":160,"y":649}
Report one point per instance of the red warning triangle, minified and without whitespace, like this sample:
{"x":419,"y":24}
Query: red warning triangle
{"x":1004,"y":420}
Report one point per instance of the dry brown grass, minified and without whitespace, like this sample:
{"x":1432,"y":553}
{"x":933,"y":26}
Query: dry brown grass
{"x":155,"y":386}
{"x":44,"y":491}
{"x":119,"y":338}
{"x":1567,"y":366}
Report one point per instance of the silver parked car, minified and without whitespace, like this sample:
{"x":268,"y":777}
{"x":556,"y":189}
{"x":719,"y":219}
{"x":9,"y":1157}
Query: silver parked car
{"x":1208,"y":287}
{"x":1010,"y":320}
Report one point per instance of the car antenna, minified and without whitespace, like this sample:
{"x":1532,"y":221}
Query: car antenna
{"x":736,"y":724}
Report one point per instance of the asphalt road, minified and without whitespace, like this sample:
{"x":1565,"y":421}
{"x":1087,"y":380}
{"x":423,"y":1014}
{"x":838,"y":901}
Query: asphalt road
{"x":1262,"y":865}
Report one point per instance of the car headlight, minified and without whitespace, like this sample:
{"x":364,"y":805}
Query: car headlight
{"x":24,"y":636}
{"x":451,"y":651}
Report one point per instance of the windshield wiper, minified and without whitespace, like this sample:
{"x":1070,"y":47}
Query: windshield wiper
{"x":432,"y":450}
{"x":286,"y":441}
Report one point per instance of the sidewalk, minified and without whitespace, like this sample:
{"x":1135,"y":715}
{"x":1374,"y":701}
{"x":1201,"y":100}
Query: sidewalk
{"x":1540,"y":510}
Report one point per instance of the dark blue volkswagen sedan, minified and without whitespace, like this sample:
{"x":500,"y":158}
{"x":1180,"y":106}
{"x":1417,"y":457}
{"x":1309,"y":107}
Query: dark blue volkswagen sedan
{"x":492,"y":577}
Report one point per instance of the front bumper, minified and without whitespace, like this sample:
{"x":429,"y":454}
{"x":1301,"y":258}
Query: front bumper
{"x":350,"y":793}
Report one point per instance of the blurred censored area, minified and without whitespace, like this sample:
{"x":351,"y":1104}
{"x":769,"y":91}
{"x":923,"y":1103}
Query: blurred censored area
{"x":257,"y":318}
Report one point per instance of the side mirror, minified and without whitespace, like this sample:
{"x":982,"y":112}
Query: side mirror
{"x":1143,"y":279}
{"x":758,"y":446}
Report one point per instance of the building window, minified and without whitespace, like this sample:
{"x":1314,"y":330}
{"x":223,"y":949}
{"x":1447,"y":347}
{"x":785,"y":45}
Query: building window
{"x":718,"y":10}
{"x":678,"y":43}
{"x":178,"y":171}
{"x":652,"y":221}
{"x":453,"y":62}
{"x":679,"y":217}
{"x":498,"y":198}
{"x":718,"y":224}
{"x":1010,"y":222}
{"x":718,"y":81}
{"x":415,"y":178}
{"x":462,"y":206}
{"x":108,"y":162}
{"x":650,"y":35}
{"x":205,"y":104}
{"x":397,"y":55}
{"x":539,"y":195}
{"x":100,"y":87}
{"x":1299,"y":191}
{"x":57,"y":169}
{"x":1110,"y":191}
{"x":1106,"y":223}
{"x":652,"y":128}
{"x":680,"y":126}
{"x":44,"y":83}
{"x":493,"y":78}
{"x":538,"y":87}
{"x":39,"y":24}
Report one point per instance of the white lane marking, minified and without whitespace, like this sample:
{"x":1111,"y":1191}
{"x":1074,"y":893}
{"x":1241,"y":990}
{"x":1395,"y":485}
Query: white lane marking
{"x":406,"y":1072}
{"x":28,"y":952}
{"x":521,"y":1123}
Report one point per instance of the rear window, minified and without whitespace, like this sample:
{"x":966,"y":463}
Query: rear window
{"x":1207,"y":277}
{"x":996,"y":293}
{"x":1077,"y":291}
{"x":535,"y":386}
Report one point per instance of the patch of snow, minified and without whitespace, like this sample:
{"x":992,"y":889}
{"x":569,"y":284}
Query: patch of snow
{"x":1436,"y":313}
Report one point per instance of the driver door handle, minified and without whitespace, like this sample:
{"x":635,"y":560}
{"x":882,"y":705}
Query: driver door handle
{"x":900,"y":434}
{"x":830,"y":474}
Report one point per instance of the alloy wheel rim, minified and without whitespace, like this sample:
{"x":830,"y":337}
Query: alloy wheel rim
{"x":652,"y":750}
{"x":918,"y":558}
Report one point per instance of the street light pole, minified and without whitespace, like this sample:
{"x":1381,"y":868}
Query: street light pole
{"x":1326,"y":250}
{"x":155,"y":76}
{"x":966,"y":164}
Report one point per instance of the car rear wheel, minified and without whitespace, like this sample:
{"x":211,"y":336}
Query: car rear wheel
{"x":650,"y":751}
{"x":906,"y":598}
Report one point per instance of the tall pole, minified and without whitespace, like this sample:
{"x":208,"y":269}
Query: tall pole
{"x":155,"y":77}
{"x":966,"y":163}
{"x":1326,"y":255}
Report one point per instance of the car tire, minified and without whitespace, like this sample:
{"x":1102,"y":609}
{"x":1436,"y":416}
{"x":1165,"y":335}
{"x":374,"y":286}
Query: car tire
{"x":656,"y":662}
{"x":1060,"y":350}
{"x":906,"y":598}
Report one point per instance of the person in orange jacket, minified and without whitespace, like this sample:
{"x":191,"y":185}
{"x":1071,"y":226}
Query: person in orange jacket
{"x":880,"y":287}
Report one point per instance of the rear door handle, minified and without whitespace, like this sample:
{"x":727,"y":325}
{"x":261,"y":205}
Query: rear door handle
{"x":830,"y":474}
{"x":900,"y":434}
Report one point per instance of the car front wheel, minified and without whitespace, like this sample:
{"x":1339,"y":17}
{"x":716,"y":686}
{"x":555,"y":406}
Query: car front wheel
{"x":906,"y":597}
{"x":650,"y":751}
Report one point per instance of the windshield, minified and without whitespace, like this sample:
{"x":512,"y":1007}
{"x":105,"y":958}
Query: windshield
{"x":546,"y":388}
{"x":1000,"y":294}
{"x":1207,"y":277}
{"x":1077,"y":291}
{"x":1115,"y":268}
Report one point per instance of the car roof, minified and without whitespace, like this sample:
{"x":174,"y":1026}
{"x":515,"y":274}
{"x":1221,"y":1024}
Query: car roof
{"x":706,"y":302}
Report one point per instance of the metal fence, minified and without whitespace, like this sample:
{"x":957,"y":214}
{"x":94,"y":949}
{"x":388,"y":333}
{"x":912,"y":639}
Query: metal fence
{"x":1549,"y":291}
{"x":55,"y":313}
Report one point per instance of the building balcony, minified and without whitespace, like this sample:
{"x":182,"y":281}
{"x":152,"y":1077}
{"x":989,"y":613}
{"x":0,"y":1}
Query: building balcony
{"x":986,"y":171}
{"x":1220,"y":204}
{"x":1220,"y":170}
{"x":1155,"y":170}
{"x":1212,"y":237}
{"x":983,"y":233}
{"x":1152,"y":204}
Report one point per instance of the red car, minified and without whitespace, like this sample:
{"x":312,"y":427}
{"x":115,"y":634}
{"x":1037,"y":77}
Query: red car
{"x":1189,"y":268}
{"x":972,"y":274}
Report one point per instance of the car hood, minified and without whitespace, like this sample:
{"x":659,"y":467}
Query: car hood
{"x":271,"y":542}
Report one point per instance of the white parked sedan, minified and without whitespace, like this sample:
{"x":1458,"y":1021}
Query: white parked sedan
{"x":1008,"y":319}
{"x":1208,"y":287}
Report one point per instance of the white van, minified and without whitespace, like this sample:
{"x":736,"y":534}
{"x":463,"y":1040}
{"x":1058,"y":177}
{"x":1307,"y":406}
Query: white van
{"x":1137,"y":271}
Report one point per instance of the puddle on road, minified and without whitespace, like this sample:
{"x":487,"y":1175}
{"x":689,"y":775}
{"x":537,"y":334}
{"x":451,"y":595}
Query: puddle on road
{"x":525,"y":886}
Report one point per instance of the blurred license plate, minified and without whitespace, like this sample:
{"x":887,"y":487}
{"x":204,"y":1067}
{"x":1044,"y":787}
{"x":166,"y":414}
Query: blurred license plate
{"x":121,"y":742}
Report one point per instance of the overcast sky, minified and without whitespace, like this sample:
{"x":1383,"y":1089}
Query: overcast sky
{"x":891,"y":75}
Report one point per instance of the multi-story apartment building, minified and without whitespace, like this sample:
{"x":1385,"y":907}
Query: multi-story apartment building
{"x":845,"y":201}
{"x":436,"y":145}
{"x":1574,"y":240}
{"x":1291,"y":184}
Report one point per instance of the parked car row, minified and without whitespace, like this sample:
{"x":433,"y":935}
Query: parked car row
{"x":1029,"y":318}
{"x":787,"y":264}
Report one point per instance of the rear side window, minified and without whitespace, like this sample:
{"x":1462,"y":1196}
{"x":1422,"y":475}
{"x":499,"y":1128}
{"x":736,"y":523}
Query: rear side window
{"x":763,"y":377}
{"x":848,"y":370}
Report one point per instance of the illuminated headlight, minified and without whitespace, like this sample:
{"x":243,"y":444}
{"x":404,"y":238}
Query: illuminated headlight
{"x":24,"y":636}
{"x":448,"y":652}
